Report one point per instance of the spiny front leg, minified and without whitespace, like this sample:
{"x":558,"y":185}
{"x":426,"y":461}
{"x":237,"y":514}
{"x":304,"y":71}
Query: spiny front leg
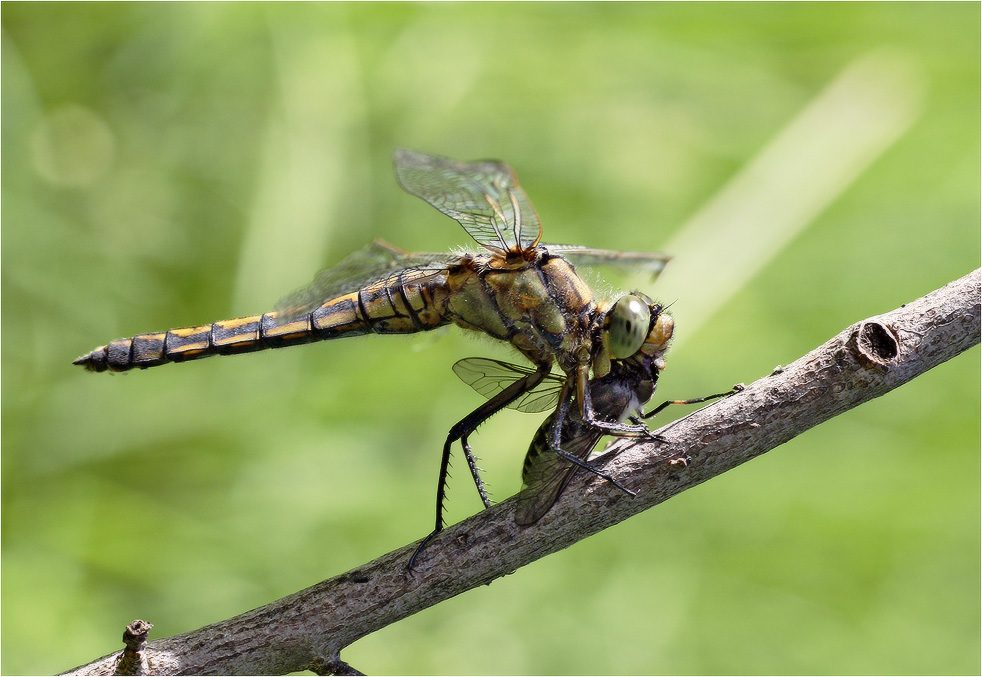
{"x":482,"y":487}
{"x":441,"y":494}
{"x":465,"y":427}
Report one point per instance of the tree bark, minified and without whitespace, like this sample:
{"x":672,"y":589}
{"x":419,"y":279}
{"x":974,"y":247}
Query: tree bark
{"x":307,"y":630}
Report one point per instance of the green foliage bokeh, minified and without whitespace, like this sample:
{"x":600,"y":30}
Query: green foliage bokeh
{"x":175,"y":164}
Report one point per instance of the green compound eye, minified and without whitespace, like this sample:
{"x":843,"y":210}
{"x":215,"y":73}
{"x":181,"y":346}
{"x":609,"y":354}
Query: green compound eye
{"x":629,"y":320}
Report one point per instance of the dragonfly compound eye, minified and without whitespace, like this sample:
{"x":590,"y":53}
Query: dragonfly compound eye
{"x":630,"y":319}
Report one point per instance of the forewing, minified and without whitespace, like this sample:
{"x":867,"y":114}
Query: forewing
{"x":490,"y":377}
{"x":628,"y":262}
{"x":484,"y":197}
{"x":376,"y":262}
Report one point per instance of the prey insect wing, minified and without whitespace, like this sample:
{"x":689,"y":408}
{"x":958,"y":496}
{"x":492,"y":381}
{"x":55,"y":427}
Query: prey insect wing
{"x":490,"y":377}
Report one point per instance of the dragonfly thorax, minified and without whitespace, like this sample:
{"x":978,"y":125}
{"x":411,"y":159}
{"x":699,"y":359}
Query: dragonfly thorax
{"x":542,"y":307}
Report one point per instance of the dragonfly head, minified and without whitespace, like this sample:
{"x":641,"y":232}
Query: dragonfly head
{"x":634,"y":328}
{"x":636,"y":324}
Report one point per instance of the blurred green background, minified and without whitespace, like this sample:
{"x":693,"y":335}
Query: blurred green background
{"x":173,"y":164}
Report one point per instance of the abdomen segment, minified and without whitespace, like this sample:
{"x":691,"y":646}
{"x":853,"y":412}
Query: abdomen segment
{"x":402,"y":308}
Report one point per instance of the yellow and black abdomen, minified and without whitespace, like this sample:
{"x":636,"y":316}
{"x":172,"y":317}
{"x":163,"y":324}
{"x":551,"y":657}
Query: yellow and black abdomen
{"x":400,"y":304}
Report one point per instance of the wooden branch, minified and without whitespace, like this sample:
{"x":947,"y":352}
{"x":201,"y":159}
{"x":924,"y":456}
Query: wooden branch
{"x":308,"y":629}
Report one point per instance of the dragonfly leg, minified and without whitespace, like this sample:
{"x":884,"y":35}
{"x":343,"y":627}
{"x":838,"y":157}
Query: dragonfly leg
{"x":422,"y":544}
{"x":619,"y":429}
{"x":465,"y":427}
{"x":562,"y":411}
{"x":596,"y":471}
{"x":697,"y":400}
{"x":636,"y":429}
{"x":482,"y":488}
{"x":586,"y":408}
{"x":555,"y":438}
{"x":636,"y":420}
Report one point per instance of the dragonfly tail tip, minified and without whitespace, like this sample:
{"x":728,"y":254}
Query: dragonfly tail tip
{"x":94,"y":361}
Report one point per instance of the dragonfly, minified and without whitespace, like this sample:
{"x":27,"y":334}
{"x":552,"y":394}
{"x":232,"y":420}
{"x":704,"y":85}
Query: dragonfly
{"x":618,"y":396}
{"x":515,"y":289}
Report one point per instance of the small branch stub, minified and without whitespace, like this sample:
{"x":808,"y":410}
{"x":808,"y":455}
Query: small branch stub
{"x":135,"y":638}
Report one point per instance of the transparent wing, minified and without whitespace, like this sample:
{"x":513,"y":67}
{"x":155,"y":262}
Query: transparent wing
{"x":628,"y":262}
{"x":490,"y":377}
{"x":376,"y":262}
{"x":545,"y":475}
{"x":484,"y":197}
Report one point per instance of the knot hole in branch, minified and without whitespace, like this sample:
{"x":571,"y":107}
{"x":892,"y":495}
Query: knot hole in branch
{"x":876,"y":345}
